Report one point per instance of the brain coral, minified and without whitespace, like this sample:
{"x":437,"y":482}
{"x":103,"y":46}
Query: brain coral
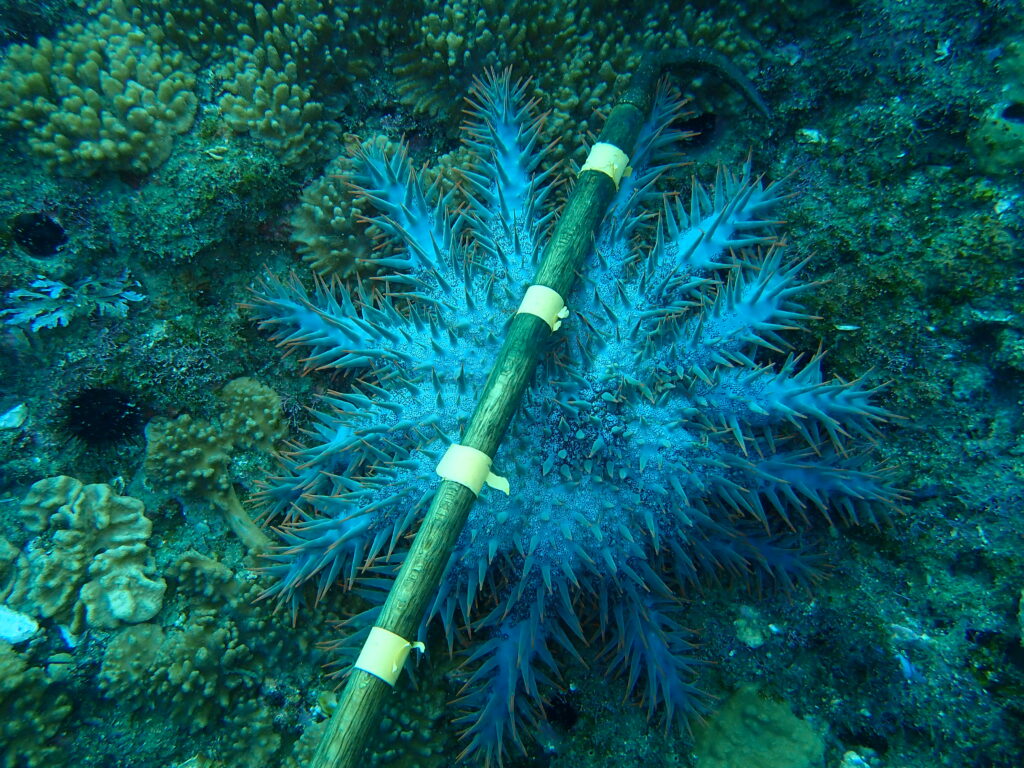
{"x":668,"y":434}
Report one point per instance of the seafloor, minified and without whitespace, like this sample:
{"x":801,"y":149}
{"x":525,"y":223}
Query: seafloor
{"x":158,"y":162}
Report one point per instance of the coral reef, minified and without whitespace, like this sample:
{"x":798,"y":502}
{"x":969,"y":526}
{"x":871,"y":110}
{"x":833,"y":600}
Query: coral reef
{"x":410,"y":733}
{"x":205,"y":667}
{"x":192,"y":665}
{"x":327,"y":223}
{"x":284,"y":69}
{"x":91,"y":566}
{"x":32,"y":712}
{"x":102,"y":96}
{"x":276,"y":63}
{"x":667,"y":436}
{"x":897,"y":126}
{"x":590,"y":49}
{"x":191,"y":456}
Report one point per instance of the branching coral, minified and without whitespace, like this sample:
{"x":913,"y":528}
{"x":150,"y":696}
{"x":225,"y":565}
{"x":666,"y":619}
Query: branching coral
{"x":206,"y":667}
{"x":284,"y":70}
{"x":102,"y":96}
{"x":587,"y":50}
{"x":667,"y":436}
{"x":31,"y":713}
{"x":327,"y":226}
{"x":191,"y":456}
{"x":276,"y":62}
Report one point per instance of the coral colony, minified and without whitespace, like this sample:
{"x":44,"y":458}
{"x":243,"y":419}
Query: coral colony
{"x":668,"y":435}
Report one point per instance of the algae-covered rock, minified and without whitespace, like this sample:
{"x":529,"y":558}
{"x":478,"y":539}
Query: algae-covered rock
{"x":998,"y":139}
{"x":750,"y":731}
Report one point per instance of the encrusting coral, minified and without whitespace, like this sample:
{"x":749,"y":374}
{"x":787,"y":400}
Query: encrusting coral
{"x":750,"y":731}
{"x":90,"y":566}
{"x":667,"y":436}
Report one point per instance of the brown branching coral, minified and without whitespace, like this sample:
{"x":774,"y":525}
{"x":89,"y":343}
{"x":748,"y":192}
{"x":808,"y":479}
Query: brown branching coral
{"x":191,"y":456}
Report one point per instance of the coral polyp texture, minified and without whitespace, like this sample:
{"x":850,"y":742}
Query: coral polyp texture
{"x":102,"y":96}
{"x":669,"y":435}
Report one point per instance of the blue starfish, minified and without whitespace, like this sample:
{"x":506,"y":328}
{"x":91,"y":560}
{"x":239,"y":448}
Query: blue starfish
{"x":668,"y":434}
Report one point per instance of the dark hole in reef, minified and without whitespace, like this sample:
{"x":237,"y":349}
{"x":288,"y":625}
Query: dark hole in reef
{"x":1014,"y":112}
{"x":973,"y":563}
{"x":704,"y":124}
{"x":983,"y":637}
{"x":1009,"y":650}
{"x":998,"y":660}
{"x":274,"y":698}
{"x":200,"y":283}
{"x":561,"y":711}
{"x":1014,"y":654}
{"x":38,"y":234}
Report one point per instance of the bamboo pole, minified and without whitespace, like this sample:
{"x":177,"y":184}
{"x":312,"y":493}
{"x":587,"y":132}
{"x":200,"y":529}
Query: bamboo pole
{"x":357,"y":716}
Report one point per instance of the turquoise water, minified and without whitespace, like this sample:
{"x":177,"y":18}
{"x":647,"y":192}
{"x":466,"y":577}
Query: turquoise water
{"x":190,"y":190}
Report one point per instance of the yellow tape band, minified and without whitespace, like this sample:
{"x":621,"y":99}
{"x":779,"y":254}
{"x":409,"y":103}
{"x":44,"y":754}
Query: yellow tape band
{"x":469,"y":467}
{"x":609,"y":160}
{"x":384,"y":653}
{"x":546,"y":304}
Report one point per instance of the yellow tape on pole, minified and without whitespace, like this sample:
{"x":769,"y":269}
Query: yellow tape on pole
{"x":546,"y":304}
{"x":469,"y":467}
{"x":384,"y":653}
{"x":609,"y":160}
